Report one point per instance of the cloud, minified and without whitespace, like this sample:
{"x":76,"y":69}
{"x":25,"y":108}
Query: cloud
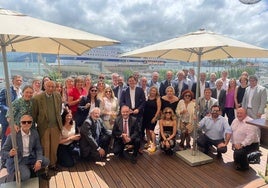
{"x":138,"y":23}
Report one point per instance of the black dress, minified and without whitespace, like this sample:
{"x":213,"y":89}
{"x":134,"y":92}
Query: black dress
{"x":240,"y":94}
{"x":165,"y":104}
{"x":168,"y":130}
{"x":150,"y":109}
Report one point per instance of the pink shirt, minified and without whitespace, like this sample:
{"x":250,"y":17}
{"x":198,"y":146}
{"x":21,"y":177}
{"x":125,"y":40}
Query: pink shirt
{"x":229,"y":102}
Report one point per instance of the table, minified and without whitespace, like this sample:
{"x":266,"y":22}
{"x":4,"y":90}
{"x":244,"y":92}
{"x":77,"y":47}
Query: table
{"x":263,"y":124}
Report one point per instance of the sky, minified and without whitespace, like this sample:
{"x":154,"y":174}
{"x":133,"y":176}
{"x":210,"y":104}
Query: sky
{"x":138,"y":23}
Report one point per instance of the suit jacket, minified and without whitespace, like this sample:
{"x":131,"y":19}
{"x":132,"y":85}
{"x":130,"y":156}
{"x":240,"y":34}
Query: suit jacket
{"x":202,"y":106}
{"x":88,"y":131}
{"x":194,"y":88}
{"x":40,"y":109}
{"x":139,"y":99}
{"x":82,"y":112}
{"x":163,"y":85}
{"x":116,"y":89}
{"x":221,"y":99}
{"x":133,"y":127}
{"x":258,"y":102}
{"x":35,"y":148}
{"x":176,"y":87}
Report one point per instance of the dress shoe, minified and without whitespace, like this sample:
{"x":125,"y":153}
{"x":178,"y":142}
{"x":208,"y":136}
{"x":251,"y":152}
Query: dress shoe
{"x":219,"y":155}
{"x":55,"y":168}
{"x":133,"y":160}
{"x":45,"y":176}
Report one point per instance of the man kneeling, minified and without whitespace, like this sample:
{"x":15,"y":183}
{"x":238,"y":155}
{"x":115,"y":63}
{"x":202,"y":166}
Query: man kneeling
{"x":126,"y":133}
{"x":30,"y":153}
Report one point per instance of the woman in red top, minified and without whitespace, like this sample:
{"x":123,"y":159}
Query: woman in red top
{"x":75,"y":94}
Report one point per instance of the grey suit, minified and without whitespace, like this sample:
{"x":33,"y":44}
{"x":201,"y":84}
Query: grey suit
{"x":25,"y":163}
{"x":258,"y":102}
{"x":202,"y":106}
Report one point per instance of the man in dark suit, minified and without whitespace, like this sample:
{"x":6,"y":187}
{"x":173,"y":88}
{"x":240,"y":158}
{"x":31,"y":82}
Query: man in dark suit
{"x":202,"y":85}
{"x":126,"y":133}
{"x":165,"y":83}
{"x":219,"y":94}
{"x":179,"y":85}
{"x":29,"y":150}
{"x":15,"y":93}
{"x":119,"y":88}
{"x":134,"y":98}
{"x":95,"y":138}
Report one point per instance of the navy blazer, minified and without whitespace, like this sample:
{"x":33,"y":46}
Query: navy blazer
{"x":133,"y":128}
{"x":35,"y":148}
{"x":176,"y":88}
{"x":139,"y":99}
{"x":163,"y":85}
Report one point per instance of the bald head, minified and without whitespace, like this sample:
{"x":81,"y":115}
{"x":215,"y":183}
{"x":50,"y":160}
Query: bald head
{"x":241,"y":114}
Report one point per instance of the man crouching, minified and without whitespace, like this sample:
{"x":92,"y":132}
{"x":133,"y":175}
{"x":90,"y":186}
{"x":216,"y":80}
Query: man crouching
{"x":126,"y":132}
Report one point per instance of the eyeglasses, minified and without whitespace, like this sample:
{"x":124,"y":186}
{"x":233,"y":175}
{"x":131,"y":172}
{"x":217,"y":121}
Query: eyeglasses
{"x":24,"y":122}
{"x":93,"y":90}
{"x":168,"y":112}
{"x":108,"y":91}
{"x":187,"y":95}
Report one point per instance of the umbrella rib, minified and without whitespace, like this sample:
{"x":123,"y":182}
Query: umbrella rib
{"x":65,"y":46}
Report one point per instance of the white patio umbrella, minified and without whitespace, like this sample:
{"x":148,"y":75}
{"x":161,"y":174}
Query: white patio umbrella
{"x":22,"y":33}
{"x":198,"y":46}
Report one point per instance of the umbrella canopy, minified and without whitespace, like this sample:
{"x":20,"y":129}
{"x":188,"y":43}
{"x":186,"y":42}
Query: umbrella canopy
{"x":197,"y":46}
{"x":207,"y":44}
{"x":22,"y":33}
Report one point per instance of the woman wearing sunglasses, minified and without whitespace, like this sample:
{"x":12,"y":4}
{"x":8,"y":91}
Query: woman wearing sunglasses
{"x":86,"y":103}
{"x":109,"y":108}
{"x":185,"y":111}
{"x":168,"y":129}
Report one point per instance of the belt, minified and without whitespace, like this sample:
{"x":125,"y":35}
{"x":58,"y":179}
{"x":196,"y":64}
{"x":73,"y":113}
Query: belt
{"x":249,"y":108}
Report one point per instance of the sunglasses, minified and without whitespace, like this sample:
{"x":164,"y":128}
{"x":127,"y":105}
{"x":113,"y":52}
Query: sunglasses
{"x":24,"y":122}
{"x":187,"y":95}
{"x":108,"y":92}
{"x":168,"y":112}
{"x":93,"y":90}
{"x":101,"y":77}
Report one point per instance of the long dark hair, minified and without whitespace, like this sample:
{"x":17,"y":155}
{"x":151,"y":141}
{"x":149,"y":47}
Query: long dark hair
{"x":65,"y":112}
{"x":89,"y":93}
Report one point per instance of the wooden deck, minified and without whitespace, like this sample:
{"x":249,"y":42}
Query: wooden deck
{"x":155,"y":170}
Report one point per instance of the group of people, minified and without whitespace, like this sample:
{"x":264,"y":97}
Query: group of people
{"x":96,"y":118}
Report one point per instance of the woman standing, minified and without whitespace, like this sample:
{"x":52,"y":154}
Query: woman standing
{"x":87,"y":102}
{"x":36,"y":84}
{"x":185,"y":111}
{"x":87,"y":83}
{"x":169,"y":100}
{"x":168,"y":129}
{"x":230,"y":101}
{"x":23,"y":105}
{"x":240,"y":91}
{"x":75,"y":95}
{"x":67,"y":139}
{"x":109,"y":108}
{"x":150,"y":116}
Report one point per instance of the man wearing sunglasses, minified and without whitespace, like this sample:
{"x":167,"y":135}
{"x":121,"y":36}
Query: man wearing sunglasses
{"x":29,"y":151}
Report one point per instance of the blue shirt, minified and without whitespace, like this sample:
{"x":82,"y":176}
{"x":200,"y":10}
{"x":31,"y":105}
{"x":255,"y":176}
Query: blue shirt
{"x":215,"y":129}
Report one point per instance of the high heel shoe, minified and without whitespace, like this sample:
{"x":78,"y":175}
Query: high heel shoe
{"x":152,"y":149}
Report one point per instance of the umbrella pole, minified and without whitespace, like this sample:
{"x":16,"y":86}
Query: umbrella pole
{"x":11,"y":120}
{"x":196,"y":106}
